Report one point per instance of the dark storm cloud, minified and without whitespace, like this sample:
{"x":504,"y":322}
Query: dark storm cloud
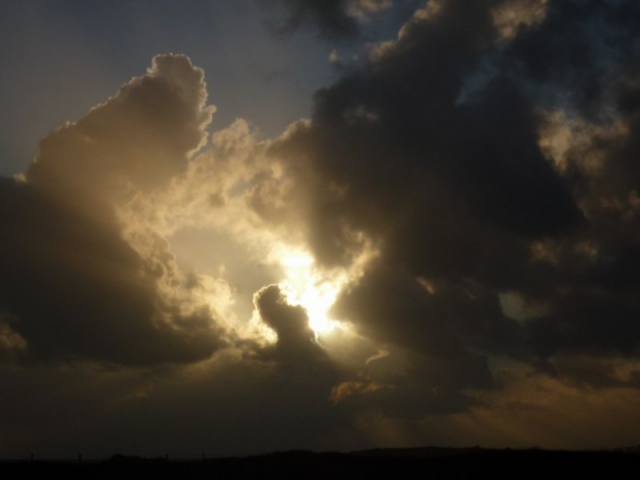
{"x":410,"y":146}
{"x":329,"y":16}
{"x":436,"y":151}
{"x":598,"y":37}
{"x":70,"y":282}
{"x":447,"y":328}
{"x":333,"y":19}
{"x":296,"y":345}
{"x":393,"y":307}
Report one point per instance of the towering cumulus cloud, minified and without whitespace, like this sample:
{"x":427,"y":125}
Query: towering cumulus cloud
{"x":71,"y":285}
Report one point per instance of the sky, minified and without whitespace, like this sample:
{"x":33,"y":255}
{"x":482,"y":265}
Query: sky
{"x":242,"y":227}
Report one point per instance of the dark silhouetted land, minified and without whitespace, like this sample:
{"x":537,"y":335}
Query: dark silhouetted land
{"x":395,"y":463}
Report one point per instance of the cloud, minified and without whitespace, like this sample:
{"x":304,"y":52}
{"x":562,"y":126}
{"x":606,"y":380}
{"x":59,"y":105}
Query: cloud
{"x":334,"y":19}
{"x":296,"y":340}
{"x":143,"y":135}
{"x":471,"y":155}
{"x":469,"y":196}
{"x":75,"y":286}
{"x":363,"y":9}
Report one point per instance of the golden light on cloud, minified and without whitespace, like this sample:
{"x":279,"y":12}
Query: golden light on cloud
{"x":315,"y":289}
{"x":305,"y":286}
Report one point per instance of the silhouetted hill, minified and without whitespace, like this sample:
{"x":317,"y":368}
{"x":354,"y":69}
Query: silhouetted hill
{"x":430,"y":462}
{"x":419,"y":452}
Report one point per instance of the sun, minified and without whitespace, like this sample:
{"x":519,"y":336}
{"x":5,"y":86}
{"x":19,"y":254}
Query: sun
{"x":305,"y":285}
{"x":316,"y":289}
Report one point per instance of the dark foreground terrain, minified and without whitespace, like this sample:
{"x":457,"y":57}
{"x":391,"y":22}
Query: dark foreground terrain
{"x":396,"y":463}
